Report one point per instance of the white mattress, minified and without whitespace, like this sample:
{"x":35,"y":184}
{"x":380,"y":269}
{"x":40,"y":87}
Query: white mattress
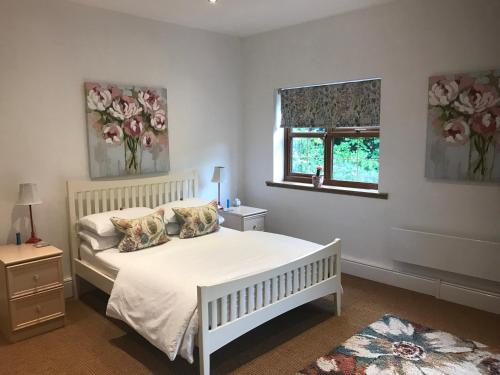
{"x":110,"y":261}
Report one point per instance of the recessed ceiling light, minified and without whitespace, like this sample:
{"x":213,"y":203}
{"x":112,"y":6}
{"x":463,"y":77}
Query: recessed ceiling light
{"x":213,"y":2}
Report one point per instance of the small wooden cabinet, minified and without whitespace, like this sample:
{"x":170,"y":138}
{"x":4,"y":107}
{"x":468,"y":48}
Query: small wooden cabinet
{"x":31,"y":290}
{"x":245,"y":218}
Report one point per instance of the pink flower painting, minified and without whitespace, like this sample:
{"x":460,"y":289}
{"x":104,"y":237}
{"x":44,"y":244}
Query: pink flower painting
{"x":464,"y":127}
{"x":127,"y":129}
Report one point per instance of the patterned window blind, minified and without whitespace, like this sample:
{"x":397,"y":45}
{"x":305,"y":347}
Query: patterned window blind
{"x":349,"y":104}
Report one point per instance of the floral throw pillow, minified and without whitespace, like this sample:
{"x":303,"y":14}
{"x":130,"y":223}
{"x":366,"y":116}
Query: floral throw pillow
{"x":142,"y":232}
{"x":197,"y":221}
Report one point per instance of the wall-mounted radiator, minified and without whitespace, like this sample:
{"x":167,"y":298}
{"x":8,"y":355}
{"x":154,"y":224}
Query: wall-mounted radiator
{"x":464,"y":256}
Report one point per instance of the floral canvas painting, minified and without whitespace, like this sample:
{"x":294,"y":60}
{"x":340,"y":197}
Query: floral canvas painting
{"x":127,"y":130}
{"x":463,"y":133}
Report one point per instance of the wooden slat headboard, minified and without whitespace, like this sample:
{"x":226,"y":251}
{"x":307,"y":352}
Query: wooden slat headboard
{"x":90,"y":197}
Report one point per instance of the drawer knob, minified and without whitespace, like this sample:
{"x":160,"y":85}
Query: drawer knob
{"x":36,"y":277}
{"x":38,"y":308}
{"x":254,"y":227}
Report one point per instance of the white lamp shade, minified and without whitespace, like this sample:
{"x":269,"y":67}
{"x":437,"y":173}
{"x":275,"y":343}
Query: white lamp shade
{"x":218,"y":175}
{"x":28,"y":194}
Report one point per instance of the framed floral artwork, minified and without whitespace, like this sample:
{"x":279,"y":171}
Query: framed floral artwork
{"x":463,"y":132}
{"x":127,"y":130}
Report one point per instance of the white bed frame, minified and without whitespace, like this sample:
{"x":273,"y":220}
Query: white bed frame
{"x":227,"y":310}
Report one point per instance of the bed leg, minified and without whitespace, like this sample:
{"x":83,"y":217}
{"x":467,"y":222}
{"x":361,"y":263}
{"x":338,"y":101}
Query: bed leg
{"x":204,"y":362}
{"x":338,"y":302}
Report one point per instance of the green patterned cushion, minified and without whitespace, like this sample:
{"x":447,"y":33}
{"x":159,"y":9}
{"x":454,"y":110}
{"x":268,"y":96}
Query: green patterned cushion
{"x":142,"y":232}
{"x":197,"y":221}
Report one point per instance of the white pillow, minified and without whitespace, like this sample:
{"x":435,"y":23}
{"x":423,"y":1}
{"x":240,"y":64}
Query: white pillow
{"x":97,"y":242}
{"x":101,"y":224}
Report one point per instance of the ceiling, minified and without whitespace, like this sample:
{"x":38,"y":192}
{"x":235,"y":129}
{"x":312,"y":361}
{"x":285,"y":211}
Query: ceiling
{"x":233,"y":17}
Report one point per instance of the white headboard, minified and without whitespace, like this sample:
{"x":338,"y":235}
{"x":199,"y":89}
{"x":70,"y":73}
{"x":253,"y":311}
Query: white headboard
{"x":90,"y":197}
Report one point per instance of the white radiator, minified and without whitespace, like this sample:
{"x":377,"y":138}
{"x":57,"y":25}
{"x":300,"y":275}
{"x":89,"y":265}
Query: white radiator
{"x":459,"y":255}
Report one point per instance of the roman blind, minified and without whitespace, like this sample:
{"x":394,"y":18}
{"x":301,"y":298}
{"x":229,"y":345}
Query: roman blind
{"x":349,"y":104}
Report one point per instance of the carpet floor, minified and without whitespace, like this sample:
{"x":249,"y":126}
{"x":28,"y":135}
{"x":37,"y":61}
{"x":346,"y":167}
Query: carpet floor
{"x":90,"y":343}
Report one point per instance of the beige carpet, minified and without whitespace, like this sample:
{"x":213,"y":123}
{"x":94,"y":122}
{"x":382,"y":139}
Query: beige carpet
{"x":93,"y":344}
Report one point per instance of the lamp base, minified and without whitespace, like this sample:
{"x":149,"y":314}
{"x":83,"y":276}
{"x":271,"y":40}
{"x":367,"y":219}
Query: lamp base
{"x":33,"y":239}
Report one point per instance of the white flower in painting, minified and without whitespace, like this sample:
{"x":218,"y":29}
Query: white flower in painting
{"x":124,"y":108}
{"x":476,"y":99}
{"x":149,"y":100}
{"x":456,"y":131}
{"x":443,"y":93}
{"x":112,"y":134}
{"x":159,"y":120}
{"x":98,"y":99}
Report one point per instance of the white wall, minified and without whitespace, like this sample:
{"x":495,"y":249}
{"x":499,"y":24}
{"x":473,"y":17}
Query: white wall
{"x":49,"y":48}
{"x":404,"y":43}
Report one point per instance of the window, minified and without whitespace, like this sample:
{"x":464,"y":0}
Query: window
{"x":336,"y":127}
{"x":349,"y":157}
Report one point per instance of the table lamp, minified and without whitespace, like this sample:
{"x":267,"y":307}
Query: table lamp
{"x":218,"y":178}
{"x":28,"y":196}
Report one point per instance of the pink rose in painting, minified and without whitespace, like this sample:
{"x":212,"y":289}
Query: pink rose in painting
{"x":476,"y":99}
{"x":149,"y":100}
{"x":133,"y":127}
{"x":456,"y":131}
{"x":149,"y":140}
{"x":98,"y":98}
{"x":112,"y":133}
{"x":443,"y":92}
{"x":159,"y":120}
{"x":124,"y":108}
{"x":487,"y":122}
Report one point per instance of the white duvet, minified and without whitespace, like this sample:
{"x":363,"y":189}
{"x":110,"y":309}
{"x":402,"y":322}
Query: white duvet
{"x":157,"y":294}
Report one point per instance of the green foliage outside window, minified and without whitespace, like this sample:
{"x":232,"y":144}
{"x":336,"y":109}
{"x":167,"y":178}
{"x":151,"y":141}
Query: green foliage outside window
{"x":307,"y":154}
{"x":354,"y":159}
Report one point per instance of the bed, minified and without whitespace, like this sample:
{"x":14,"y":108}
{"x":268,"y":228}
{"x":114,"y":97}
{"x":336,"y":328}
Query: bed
{"x":226,"y":307}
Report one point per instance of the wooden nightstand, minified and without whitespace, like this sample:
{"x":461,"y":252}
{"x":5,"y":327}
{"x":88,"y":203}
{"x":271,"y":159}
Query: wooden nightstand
{"x":31,"y":290}
{"x":244,"y":218}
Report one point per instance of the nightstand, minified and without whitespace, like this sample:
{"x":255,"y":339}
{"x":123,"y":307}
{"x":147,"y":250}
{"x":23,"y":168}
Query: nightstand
{"x":31,"y":290}
{"x":244,"y":218}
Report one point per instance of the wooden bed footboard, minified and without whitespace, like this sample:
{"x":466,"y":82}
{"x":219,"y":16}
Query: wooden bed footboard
{"x":230,"y":309}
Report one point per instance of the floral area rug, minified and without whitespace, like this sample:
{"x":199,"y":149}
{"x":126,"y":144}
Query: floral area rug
{"x":393,"y":345}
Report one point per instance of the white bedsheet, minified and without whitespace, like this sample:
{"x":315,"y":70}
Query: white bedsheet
{"x":156,"y":294}
{"x":111,"y":260}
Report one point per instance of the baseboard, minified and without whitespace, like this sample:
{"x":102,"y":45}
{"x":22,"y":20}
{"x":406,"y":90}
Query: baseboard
{"x":68,"y":287}
{"x":460,"y":294}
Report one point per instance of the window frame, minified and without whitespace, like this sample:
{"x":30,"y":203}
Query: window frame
{"x":328,"y":137}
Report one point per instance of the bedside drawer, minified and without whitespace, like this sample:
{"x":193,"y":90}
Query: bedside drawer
{"x":38,"y":308}
{"x":253,"y":223}
{"x":28,"y":278}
